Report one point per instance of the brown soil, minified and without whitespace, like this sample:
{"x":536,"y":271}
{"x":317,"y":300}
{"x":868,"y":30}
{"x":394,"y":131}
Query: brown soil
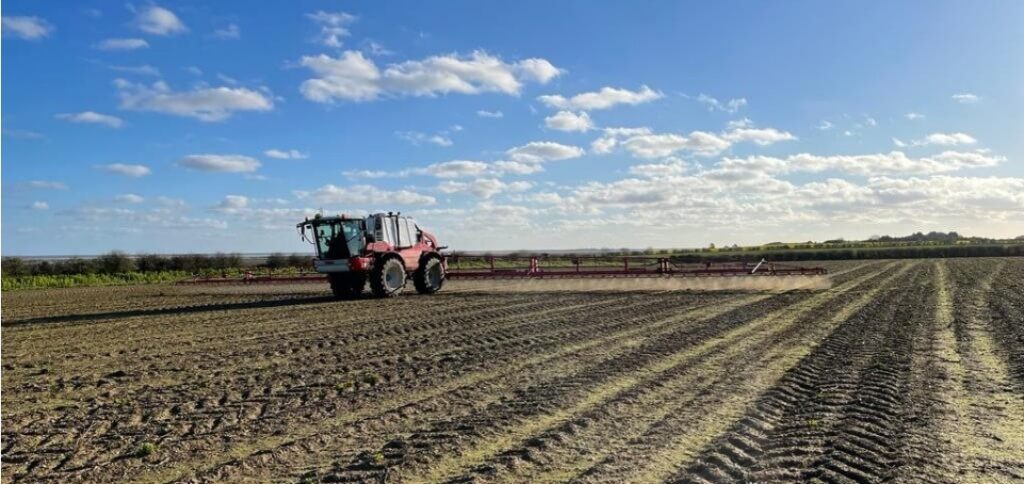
{"x":901,"y":370}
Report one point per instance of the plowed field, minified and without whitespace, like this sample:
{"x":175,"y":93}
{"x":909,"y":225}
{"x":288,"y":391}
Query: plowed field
{"x":902,"y":370}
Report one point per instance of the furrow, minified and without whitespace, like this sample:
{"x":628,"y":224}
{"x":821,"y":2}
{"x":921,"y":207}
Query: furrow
{"x":671,"y":443}
{"x":647,"y":374}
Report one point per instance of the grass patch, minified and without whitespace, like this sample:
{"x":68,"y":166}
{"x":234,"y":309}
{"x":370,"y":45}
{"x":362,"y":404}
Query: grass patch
{"x":144,"y":449}
{"x":370,"y":378}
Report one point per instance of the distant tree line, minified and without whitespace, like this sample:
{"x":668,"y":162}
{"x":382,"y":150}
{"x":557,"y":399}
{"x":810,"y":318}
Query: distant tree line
{"x":120,"y":263}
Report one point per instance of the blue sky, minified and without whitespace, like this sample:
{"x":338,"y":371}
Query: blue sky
{"x":214,"y":126}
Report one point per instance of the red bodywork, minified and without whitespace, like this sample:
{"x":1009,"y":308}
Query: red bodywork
{"x":410,"y":255}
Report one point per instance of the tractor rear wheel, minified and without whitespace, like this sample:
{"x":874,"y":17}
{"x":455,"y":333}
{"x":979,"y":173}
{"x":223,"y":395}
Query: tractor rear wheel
{"x":347,"y":285}
{"x":388,"y":277}
{"x":429,"y":277}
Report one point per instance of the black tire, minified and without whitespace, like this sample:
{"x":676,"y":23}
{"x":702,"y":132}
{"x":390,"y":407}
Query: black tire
{"x":387,"y":279}
{"x":429,"y":277}
{"x":347,"y":285}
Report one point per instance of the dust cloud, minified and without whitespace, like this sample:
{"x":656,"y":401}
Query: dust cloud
{"x":736,"y":283}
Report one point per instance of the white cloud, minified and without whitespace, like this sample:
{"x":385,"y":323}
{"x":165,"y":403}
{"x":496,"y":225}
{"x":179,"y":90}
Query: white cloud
{"x":825,"y":125}
{"x":231,"y":31}
{"x":960,"y":159}
{"x":122,"y":44}
{"x":350,"y":77}
{"x":170,"y":202}
{"x":604,"y":98}
{"x":642,"y":143}
{"x":966,"y":98}
{"x":603,"y":145}
{"x":455,"y":169}
{"x":662,"y":145}
{"x":29,"y":28}
{"x":363,"y":195}
{"x":730,"y":106}
{"x":375,"y":48}
{"x":129,"y":198}
{"x":484,"y":187}
{"x":22,"y":133}
{"x":982,"y":197}
{"x":91,"y":117}
{"x":227,"y":79}
{"x":870,"y":122}
{"x":537,"y":70}
{"x":607,"y":143}
{"x":367,"y":173}
{"x":134,"y":171}
{"x":46,"y":185}
{"x":353,"y":77}
{"x":899,"y":143}
{"x":895,"y":162}
{"x":759,"y":136}
{"x":333,"y":26}
{"x":944,"y":139}
{"x":490,"y":114}
{"x":285,"y":154}
{"x":515,"y":167}
{"x":668,"y":167}
{"x":914,"y":116}
{"x":202,"y":103}
{"x":40,"y":206}
{"x":626,"y":132}
{"x":142,"y":70}
{"x":417,"y":138}
{"x":232,"y":204}
{"x":540,"y":151}
{"x":740,"y":123}
{"x":569,"y":121}
{"x":549,"y":198}
{"x":158,"y":21}
{"x":220,"y":163}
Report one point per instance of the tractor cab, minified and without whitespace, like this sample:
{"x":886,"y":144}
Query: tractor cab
{"x":335,"y":238}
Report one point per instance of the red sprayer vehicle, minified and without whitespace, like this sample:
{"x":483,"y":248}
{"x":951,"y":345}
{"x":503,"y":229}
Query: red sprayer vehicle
{"x":383,"y":249}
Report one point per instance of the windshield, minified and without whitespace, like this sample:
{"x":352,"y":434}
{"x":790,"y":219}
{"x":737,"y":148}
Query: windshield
{"x":339,"y":239}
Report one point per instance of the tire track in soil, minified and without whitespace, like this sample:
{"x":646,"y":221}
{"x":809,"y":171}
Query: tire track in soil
{"x":834,"y":416}
{"x":611,"y":432}
{"x":215,"y":418}
{"x":128,"y":431}
{"x":381,"y":333}
{"x":640,"y":330}
{"x":299,"y":350}
{"x":672,"y":443}
{"x":1007,"y":318}
{"x":480,"y":388}
{"x":439,"y":428}
{"x":608,"y":385}
{"x":414,"y":390}
{"x":975,"y":416}
{"x":219,"y":322}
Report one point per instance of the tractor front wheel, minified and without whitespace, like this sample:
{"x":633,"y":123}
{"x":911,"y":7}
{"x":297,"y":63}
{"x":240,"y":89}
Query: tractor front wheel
{"x":429,"y":277}
{"x":388,"y":277}
{"x":347,"y":285}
